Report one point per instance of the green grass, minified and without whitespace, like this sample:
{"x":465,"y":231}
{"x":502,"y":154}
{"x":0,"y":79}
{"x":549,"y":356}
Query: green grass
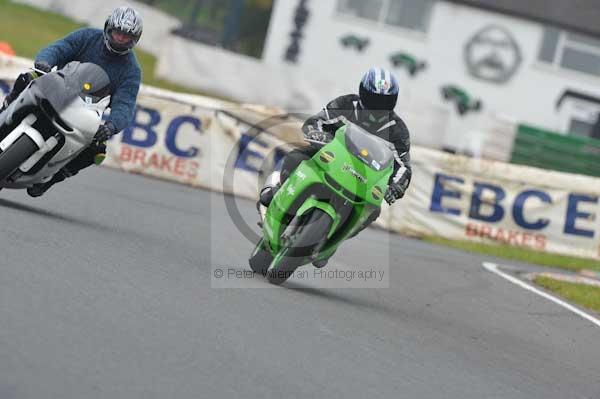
{"x":520,"y":254}
{"x":581,"y":294}
{"x":29,"y":29}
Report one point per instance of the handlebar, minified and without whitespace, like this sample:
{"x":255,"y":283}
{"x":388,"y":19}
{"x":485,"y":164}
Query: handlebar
{"x":34,"y":69}
{"x":316,"y":142}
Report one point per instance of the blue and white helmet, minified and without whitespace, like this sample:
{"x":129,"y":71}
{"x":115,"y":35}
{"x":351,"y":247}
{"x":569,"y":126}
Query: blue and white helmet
{"x":122,"y":30}
{"x":379,"y":89}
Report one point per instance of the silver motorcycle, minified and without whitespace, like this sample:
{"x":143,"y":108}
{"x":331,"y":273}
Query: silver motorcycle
{"x":51,"y":122}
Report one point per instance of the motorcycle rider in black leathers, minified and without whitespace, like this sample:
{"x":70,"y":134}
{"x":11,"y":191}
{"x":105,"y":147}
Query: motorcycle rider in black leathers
{"x":373,"y":110}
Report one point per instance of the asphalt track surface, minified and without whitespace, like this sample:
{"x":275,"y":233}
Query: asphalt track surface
{"x":105,"y":292}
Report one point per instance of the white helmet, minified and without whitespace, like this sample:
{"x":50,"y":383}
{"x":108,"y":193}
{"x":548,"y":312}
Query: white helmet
{"x":122,"y":30}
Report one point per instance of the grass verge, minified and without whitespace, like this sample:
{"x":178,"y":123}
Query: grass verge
{"x":581,"y":294}
{"x":520,"y":254}
{"x":28,"y":29}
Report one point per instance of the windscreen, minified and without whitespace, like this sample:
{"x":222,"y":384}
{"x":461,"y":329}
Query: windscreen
{"x":91,"y":80}
{"x":86,"y":80}
{"x":370,"y":149}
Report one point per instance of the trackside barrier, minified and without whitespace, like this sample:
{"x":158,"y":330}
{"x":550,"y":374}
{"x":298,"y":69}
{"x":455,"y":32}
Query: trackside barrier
{"x":223,"y":147}
{"x":464,"y":198}
{"x":538,"y":147}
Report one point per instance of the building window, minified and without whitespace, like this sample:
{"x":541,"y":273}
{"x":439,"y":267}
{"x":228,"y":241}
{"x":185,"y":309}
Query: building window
{"x":408,"y":14}
{"x":368,"y":9}
{"x":570,"y":51}
{"x":581,"y":128}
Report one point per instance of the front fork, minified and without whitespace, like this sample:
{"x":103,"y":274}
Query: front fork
{"x":26,"y":128}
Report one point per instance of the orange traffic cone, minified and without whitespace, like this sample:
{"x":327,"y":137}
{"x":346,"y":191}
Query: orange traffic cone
{"x":5,"y":48}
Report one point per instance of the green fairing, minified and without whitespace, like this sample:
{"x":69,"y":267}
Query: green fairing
{"x":311,"y":203}
{"x":350,"y":172}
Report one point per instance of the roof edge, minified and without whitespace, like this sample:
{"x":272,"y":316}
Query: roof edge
{"x":528,"y":16}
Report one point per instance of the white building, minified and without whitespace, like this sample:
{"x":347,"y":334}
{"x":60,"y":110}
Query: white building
{"x":518,"y":57}
{"x":535,"y":62}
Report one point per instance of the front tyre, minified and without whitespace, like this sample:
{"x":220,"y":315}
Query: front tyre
{"x":14,"y":156}
{"x":260,"y":259}
{"x":305,"y":240}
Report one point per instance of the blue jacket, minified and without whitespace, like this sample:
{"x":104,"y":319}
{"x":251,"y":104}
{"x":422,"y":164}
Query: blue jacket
{"x":87,"y":45}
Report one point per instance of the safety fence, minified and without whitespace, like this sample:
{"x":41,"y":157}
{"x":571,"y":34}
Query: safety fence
{"x":548,"y":150}
{"x":224,"y":147}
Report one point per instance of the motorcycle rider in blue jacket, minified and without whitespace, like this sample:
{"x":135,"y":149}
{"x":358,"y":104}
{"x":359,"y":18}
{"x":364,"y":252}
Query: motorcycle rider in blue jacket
{"x":111,"y":49}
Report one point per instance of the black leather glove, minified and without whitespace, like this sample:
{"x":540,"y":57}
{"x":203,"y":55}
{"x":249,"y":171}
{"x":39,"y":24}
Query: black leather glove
{"x":105,"y":132}
{"x":394,"y":192}
{"x":42,"y":66}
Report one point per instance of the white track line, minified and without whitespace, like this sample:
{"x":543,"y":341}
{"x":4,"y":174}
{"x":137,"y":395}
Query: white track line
{"x":492,"y":267}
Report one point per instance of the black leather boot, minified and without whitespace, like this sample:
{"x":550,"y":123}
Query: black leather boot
{"x":37,"y":190}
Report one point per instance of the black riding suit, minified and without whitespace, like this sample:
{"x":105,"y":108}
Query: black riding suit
{"x":384,"y":124}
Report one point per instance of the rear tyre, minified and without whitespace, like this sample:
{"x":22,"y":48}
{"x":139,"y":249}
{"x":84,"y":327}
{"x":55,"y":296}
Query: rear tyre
{"x":14,"y":156}
{"x":309,"y":236}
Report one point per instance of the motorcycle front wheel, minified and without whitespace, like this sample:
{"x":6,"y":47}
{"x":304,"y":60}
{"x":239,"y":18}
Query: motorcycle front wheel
{"x":311,"y":234}
{"x":14,"y":156}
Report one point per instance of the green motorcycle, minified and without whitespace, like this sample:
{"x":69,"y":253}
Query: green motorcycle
{"x":326,"y":200}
